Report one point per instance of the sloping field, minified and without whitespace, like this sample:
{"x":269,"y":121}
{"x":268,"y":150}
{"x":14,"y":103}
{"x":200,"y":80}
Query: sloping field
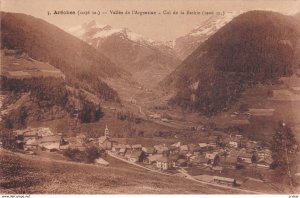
{"x":25,"y":67}
{"x":34,"y":174}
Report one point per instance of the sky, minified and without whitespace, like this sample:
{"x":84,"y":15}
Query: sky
{"x":157,"y":27}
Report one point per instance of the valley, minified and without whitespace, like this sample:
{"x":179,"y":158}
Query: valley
{"x":206,"y":109}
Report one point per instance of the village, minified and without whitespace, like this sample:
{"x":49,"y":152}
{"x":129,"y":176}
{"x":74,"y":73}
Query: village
{"x":215,"y":159}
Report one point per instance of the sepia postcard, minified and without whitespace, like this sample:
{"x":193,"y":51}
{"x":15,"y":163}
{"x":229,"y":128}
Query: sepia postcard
{"x":150,"y":97}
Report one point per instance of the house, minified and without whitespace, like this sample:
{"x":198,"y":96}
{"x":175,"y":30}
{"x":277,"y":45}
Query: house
{"x":149,"y":150}
{"x":74,"y":143}
{"x":152,"y":159}
{"x":205,"y":178}
{"x":161,"y":149}
{"x":233,"y":144}
{"x":27,"y":135}
{"x":136,"y":156}
{"x":164,"y":163}
{"x":212,"y":139}
{"x":31,"y":144}
{"x":229,"y":161}
{"x":81,"y":138}
{"x":173,"y":150}
{"x":204,"y":147}
{"x":51,"y":143}
{"x":194,"y":148}
{"x":105,"y":143}
{"x":262,"y":112}
{"x":224,"y":181}
{"x":122,"y":151}
{"x":101,"y":161}
{"x":251,"y":145}
{"x":244,"y":157}
{"x":181,"y":163}
{"x":137,"y":147}
{"x":218,"y":169}
{"x":199,"y":160}
{"x":240,"y":122}
{"x":177,"y":144}
{"x":295,"y":90}
{"x":155,"y":116}
{"x":128,"y":148}
{"x":264,"y":153}
{"x":33,"y":133}
{"x":116,"y":148}
{"x":212,"y":158}
{"x":264,"y":163}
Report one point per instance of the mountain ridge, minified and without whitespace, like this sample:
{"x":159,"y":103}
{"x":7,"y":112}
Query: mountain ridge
{"x":144,"y":58}
{"x":82,"y":64}
{"x":245,"y":51}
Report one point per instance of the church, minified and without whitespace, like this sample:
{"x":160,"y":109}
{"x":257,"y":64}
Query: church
{"x":104,"y":141}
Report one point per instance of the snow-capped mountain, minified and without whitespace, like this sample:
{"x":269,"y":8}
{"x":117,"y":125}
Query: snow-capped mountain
{"x":146,"y":59}
{"x":94,"y":31}
{"x":186,"y":44}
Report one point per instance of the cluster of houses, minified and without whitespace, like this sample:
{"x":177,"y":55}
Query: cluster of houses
{"x":214,"y":152}
{"x":205,"y":153}
{"x":38,"y":138}
{"x":232,"y":152}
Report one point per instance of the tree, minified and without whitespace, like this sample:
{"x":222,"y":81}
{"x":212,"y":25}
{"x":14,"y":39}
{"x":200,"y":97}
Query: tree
{"x":90,"y":112}
{"x":284,"y":149}
{"x":283,"y":145}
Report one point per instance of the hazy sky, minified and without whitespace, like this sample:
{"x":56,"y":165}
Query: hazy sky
{"x":159,"y":27}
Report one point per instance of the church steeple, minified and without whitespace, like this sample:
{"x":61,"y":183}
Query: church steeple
{"x":106,"y":132}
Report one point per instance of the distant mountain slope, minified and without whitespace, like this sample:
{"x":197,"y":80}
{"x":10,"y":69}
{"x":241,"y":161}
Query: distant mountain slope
{"x":186,"y":44}
{"x":149,"y":61}
{"x":257,"y":46}
{"x":81,"y":64}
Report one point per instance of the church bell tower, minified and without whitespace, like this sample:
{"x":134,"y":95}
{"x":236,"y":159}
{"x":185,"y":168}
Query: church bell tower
{"x":106,"y":132}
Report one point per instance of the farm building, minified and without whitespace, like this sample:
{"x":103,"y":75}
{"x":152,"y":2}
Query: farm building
{"x":240,"y":122}
{"x":137,"y":147}
{"x":31,"y":144}
{"x":295,"y":90}
{"x":122,"y":151}
{"x":233,"y":144}
{"x":199,"y":159}
{"x":162,"y":149}
{"x":229,"y":161}
{"x":164,"y":163}
{"x":101,"y":161}
{"x":149,"y":150}
{"x":212,"y":158}
{"x":264,"y":163}
{"x":224,"y":181}
{"x":152,"y":159}
{"x":184,"y":148}
{"x":261,"y":112}
{"x":136,"y":156}
{"x":244,"y":157}
{"x":51,"y":143}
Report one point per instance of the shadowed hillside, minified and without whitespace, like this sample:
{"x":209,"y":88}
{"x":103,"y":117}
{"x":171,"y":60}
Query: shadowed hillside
{"x":255,"y":47}
{"x":82,"y":65}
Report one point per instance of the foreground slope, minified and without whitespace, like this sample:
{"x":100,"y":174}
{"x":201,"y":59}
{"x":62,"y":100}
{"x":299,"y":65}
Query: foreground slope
{"x":34,"y":174}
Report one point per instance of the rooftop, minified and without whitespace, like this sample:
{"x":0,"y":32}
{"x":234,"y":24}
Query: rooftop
{"x":223,"y":179}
